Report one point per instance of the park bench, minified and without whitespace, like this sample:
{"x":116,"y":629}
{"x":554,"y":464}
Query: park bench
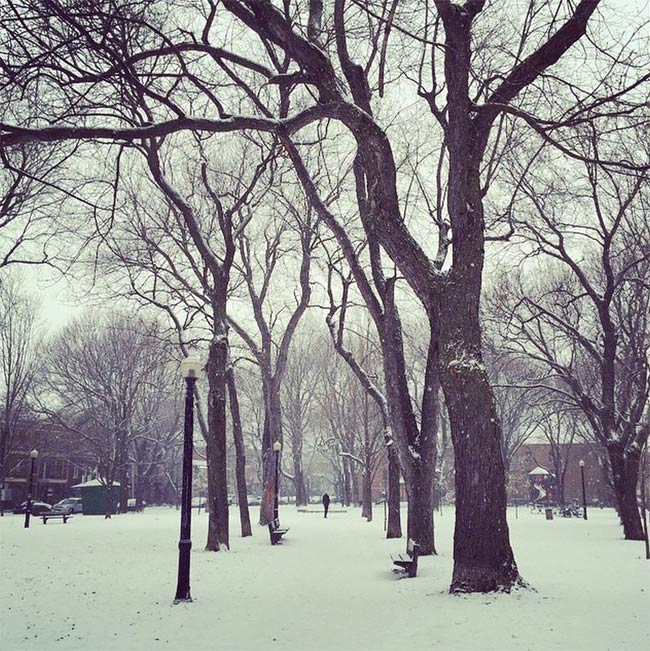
{"x":276,"y":532}
{"x":409,"y":563}
{"x":55,"y":516}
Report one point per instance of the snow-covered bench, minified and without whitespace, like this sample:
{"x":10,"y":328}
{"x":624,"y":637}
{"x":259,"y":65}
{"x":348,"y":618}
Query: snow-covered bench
{"x":408,"y":563}
{"x":276,"y":532}
{"x":55,"y":516}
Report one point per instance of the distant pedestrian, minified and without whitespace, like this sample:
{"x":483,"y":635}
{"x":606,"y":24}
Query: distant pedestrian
{"x":326,"y":503}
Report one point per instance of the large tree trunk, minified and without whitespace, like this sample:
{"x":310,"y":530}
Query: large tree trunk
{"x":625,"y":477}
{"x":240,"y":457}
{"x":482,"y":563}
{"x":483,"y":558}
{"x":272,"y":432}
{"x":299,"y":482}
{"x":416,"y":445}
{"x":394,"y":526}
{"x":347,"y":481}
{"x":340,"y":491}
{"x":140,"y":483}
{"x":216,"y":368}
{"x":124,"y":488}
{"x":366,"y":501}
{"x":420,"y":526}
{"x":123,"y":474}
{"x":298,"y":473}
{"x":355,"y":482}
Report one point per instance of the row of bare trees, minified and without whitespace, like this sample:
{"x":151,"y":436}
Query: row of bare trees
{"x":18,"y":367}
{"x":420,"y":134}
{"x":108,"y":385}
{"x":111,"y":386}
{"x":582,"y":324}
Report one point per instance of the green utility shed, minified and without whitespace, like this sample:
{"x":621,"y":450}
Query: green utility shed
{"x":93,"y":497}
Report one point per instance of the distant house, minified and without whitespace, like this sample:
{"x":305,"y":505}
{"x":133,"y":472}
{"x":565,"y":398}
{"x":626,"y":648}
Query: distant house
{"x":55,"y":469}
{"x":563,"y":479}
{"x":54,"y":476}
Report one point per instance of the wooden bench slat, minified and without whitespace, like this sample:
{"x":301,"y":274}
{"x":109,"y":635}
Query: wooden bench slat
{"x":409,"y":563}
{"x":276,"y":532}
{"x":56,"y":516}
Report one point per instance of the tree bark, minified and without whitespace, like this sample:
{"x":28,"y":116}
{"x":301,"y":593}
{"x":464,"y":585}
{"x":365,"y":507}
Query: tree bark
{"x":420,"y":525}
{"x":272,"y":432}
{"x":296,"y":458}
{"x":346,"y":482}
{"x":394,"y":525}
{"x":299,"y":477}
{"x":218,"y":538}
{"x":4,"y":435}
{"x":240,"y":456}
{"x":485,"y":562}
{"x":482,"y":563}
{"x":625,"y":477}
{"x":416,"y":445}
{"x":122,"y":458}
{"x":366,"y":498}
{"x":124,"y":488}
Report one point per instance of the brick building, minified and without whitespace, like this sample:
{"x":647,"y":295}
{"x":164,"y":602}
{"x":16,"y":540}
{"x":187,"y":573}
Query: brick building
{"x":564,"y":476}
{"x":54,"y":476}
{"x":563,"y":480}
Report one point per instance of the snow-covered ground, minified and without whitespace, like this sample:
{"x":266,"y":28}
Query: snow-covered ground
{"x":96,"y":584}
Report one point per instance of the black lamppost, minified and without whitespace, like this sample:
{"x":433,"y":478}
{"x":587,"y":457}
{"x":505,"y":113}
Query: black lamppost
{"x":28,"y":507}
{"x":277,"y":446}
{"x":189,"y":368}
{"x":581,"y":463}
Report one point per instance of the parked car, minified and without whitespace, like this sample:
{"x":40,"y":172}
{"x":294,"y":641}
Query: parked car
{"x":131,"y":504}
{"x":37,"y":508}
{"x":68,"y":505}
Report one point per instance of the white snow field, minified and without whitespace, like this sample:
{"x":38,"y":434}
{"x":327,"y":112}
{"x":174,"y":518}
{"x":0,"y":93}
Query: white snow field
{"x":98,"y":585}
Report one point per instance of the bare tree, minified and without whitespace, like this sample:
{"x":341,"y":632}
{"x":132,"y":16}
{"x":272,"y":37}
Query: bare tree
{"x":561,"y":427}
{"x":178,"y":254}
{"x":519,"y":407}
{"x":96,"y":379}
{"x":18,"y":364}
{"x":587,"y":322}
{"x":156,"y":425}
{"x":299,"y":391}
{"x":34,"y":198}
{"x":270,"y":346}
{"x":420,"y":525}
{"x":340,"y":440}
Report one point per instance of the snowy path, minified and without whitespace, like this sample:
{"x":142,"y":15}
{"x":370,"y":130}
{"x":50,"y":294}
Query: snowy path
{"x":108,"y":585}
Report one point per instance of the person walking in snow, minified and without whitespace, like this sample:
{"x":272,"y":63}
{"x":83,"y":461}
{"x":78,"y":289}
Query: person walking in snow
{"x":326,"y":503}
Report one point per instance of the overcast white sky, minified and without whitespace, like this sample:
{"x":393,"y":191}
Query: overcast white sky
{"x":60,"y":304}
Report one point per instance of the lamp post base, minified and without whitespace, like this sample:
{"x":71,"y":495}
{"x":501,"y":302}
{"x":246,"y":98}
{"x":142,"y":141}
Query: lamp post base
{"x":183,"y":585}
{"x":184,"y":600}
